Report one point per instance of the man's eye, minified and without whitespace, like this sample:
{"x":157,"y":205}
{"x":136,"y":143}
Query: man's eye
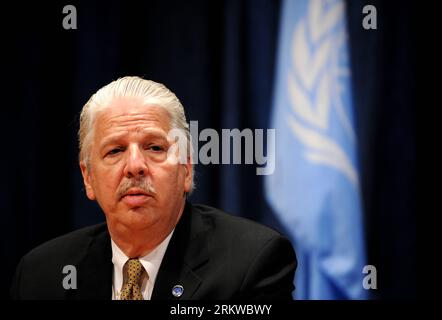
{"x":114,"y":151}
{"x":156,"y":148}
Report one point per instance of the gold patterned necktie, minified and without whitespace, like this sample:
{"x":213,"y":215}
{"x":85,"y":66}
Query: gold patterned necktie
{"x":132,"y":289}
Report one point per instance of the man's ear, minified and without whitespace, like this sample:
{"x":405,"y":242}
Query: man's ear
{"x":87,"y":181}
{"x":188,"y":175}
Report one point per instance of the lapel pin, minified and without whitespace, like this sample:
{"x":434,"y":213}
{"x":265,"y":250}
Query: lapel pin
{"x":177,"y":291}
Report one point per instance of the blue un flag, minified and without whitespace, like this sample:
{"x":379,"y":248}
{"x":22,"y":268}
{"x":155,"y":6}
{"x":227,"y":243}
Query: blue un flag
{"x":315,"y":189}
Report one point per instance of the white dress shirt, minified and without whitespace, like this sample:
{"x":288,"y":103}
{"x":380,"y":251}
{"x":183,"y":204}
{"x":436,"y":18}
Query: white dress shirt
{"x":151,"y":263}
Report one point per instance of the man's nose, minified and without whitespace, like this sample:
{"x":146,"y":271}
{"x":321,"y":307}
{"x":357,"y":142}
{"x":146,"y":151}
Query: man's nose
{"x":136,"y":163}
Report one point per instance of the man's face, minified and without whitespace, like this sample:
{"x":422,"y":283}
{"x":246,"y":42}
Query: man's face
{"x":129,"y":174}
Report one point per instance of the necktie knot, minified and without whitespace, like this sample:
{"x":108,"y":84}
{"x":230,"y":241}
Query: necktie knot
{"x":134,"y":270}
{"x":132,"y":288}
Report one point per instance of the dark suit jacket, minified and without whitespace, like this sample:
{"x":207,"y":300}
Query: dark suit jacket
{"x":213,"y":255}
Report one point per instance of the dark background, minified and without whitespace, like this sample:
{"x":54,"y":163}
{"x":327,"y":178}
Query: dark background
{"x":218,"y":57}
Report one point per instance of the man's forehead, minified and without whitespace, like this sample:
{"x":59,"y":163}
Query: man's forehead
{"x":132,"y":117}
{"x":118,"y":137}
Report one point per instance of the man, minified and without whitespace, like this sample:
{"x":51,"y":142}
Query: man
{"x":154,"y":244}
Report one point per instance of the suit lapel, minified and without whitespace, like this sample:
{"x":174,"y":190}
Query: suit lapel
{"x":95,"y":270}
{"x":186,"y":252}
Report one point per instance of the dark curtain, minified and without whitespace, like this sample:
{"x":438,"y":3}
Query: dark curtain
{"x":218,"y":57}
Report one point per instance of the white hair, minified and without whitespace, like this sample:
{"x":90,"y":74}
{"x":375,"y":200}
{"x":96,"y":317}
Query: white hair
{"x":148,"y":91}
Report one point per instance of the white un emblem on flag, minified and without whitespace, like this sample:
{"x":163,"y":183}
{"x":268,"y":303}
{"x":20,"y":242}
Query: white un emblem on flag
{"x":318,"y":84}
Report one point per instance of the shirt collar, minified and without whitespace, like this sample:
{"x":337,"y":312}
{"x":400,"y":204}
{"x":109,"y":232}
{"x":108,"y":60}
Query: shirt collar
{"x":151,"y":262}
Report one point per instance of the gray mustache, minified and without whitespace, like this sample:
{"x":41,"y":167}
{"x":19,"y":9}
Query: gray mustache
{"x":141,"y":183}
